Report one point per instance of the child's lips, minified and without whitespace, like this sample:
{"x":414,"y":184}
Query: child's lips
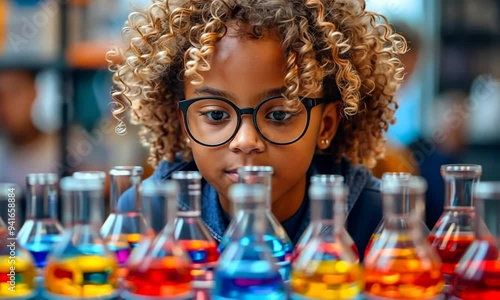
{"x":233,"y":175}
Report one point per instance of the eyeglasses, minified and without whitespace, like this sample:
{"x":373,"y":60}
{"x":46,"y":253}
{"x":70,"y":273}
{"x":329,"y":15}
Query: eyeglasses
{"x":213,"y":121}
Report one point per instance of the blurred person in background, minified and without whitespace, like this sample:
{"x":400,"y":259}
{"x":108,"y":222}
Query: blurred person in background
{"x":24,"y":148}
{"x":398,"y":156}
{"x":446,"y":145}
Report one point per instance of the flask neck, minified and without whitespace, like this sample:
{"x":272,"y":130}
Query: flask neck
{"x":263,"y":177}
{"x":42,"y":201}
{"x":83,"y":208}
{"x":458,"y":191}
{"x":119,"y":185}
{"x":190,"y":193}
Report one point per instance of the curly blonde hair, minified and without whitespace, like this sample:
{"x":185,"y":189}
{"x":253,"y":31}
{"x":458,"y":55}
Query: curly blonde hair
{"x":331,"y":46}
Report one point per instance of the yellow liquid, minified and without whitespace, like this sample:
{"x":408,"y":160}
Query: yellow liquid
{"x":328,"y":280}
{"x":25,"y":273}
{"x":82,"y":276}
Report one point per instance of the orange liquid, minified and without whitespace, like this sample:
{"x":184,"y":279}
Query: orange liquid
{"x":450,"y":249}
{"x":401,"y":274}
{"x":167,"y":276}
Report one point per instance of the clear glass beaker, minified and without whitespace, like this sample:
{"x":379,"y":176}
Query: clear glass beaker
{"x":81,"y":265}
{"x":247,"y":268}
{"x":403,"y":178}
{"x":159,"y":268}
{"x":42,"y":229}
{"x":477,"y":275}
{"x":123,"y":229}
{"x":190,"y":231}
{"x":17,"y":267}
{"x":94,"y":175}
{"x":275,"y":235}
{"x":401,"y":263}
{"x":454,"y":232}
{"x":327,"y":267}
{"x":318,"y":224}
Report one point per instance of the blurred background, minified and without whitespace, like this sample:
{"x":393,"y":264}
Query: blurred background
{"x":55,"y":87}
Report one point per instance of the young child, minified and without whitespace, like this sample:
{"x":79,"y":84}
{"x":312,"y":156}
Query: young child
{"x":303,"y":86}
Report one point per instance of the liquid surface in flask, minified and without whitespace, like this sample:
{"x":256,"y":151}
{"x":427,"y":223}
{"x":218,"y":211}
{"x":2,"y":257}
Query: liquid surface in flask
{"x":42,"y":229}
{"x":401,"y":263}
{"x":327,"y":267}
{"x":477,"y":275}
{"x":18,"y":283}
{"x":81,"y":265}
{"x":454,"y":232}
{"x":275,"y":236}
{"x":159,"y":268}
{"x":189,"y":230}
{"x":247,"y":269}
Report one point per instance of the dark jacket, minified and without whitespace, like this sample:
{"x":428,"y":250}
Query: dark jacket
{"x":364,"y":205}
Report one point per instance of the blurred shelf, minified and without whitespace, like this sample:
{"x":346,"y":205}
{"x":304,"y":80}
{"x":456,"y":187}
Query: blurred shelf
{"x":30,"y":62}
{"x":88,"y":55}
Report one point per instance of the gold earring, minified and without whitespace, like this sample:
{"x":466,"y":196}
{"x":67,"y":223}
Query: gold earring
{"x":325,"y":142}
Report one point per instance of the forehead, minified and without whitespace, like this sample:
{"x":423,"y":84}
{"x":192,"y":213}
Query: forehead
{"x":243,"y":65}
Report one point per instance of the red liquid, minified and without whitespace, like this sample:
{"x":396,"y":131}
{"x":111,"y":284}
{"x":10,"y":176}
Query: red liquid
{"x":478,"y":278}
{"x":163,"y":277}
{"x":450,"y":249}
{"x":373,"y":238}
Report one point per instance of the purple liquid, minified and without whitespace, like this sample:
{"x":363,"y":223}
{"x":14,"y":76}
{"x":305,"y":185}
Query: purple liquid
{"x":121,"y":254}
{"x":239,"y":282}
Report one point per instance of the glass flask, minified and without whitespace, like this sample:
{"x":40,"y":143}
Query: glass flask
{"x":327,"y":267}
{"x":275,"y":235}
{"x":454,"y":232}
{"x":159,"y":268}
{"x":123,"y":229}
{"x":401,"y":263}
{"x":41,"y":230}
{"x":247,"y":268}
{"x":318,"y":224}
{"x":403,"y":178}
{"x":81,"y":265}
{"x":477,"y":275}
{"x":17,"y":283}
{"x":94,"y":175}
{"x":190,"y":231}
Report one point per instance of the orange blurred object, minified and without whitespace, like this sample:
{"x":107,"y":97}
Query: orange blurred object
{"x":89,"y":54}
{"x":4,"y":21}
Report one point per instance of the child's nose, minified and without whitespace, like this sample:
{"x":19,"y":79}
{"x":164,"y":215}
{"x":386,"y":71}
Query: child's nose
{"x":247,"y":138}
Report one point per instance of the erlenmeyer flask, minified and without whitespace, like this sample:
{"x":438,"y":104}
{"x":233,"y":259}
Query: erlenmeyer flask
{"x":403,"y":178}
{"x":190,"y":231}
{"x":454,"y":232}
{"x":275,"y":235}
{"x":401,"y":263}
{"x":327,"y":267}
{"x":477,"y":275}
{"x":159,"y":268}
{"x":318,"y":224}
{"x":247,"y":268}
{"x":41,"y":230}
{"x":81,"y":265}
{"x":123,"y":230}
{"x":17,"y":268}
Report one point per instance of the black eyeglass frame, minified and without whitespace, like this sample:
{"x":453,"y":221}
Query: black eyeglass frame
{"x":309,"y":104}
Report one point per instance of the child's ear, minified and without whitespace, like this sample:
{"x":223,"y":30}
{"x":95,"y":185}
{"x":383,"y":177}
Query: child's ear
{"x":330,"y":120}
{"x":184,"y":131}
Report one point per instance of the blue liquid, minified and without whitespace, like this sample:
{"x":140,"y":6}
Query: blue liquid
{"x":282,"y":252}
{"x":247,"y":279}
{"x":41,"y":247}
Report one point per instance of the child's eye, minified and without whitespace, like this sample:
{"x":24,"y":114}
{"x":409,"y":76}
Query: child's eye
{"x":216,"y":115}
{"x":279,"y":115}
